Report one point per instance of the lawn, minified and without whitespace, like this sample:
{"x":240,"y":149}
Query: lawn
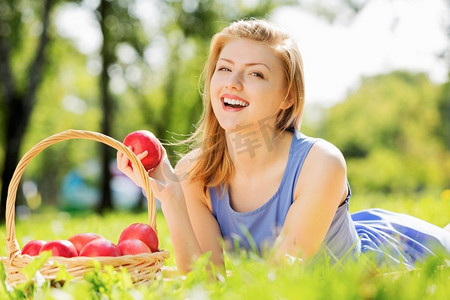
{"x":248,"y":276}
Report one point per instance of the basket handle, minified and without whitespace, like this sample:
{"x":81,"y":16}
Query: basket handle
{"x":11,"y":242}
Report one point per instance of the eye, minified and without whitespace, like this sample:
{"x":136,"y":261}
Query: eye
{"x":257,"y":74}
{"x":223,"y":69}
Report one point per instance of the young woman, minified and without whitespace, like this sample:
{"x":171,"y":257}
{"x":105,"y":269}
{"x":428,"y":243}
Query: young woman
{"x":253,"y":180}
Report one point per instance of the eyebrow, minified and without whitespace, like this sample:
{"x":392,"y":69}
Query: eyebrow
{"x":247,"y":64}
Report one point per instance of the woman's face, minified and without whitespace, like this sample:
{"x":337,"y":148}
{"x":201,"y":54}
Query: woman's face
{"x":248,"y":86}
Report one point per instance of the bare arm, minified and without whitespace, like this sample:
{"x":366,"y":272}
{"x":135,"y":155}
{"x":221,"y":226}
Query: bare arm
{"x":192,"y":227}
{"x":320,"y":189}
{"x":205,"y":226}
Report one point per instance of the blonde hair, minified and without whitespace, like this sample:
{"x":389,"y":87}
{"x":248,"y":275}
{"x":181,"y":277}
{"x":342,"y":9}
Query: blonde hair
{"x":213,"y":165}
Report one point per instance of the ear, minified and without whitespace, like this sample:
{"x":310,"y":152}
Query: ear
{"x":287,"y":102}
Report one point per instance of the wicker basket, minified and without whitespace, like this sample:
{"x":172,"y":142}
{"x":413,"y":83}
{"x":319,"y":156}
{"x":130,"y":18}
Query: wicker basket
{"x":142,"y":267}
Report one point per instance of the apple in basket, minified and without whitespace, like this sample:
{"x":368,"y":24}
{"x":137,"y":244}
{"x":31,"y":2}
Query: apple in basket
{"x":142,"y":140}
{"x":100,"y":247}
{"x":143,"y":232}
{"x":33,"y":247}
{"x":133,"y":247}
{"x":60,"y":248}
{"x":79,"y":240}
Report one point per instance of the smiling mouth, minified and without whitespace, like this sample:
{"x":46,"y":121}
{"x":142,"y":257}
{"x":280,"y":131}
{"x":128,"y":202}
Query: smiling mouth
{"x":234,"y":103}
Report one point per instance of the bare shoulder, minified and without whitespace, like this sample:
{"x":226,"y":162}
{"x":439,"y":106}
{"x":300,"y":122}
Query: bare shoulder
{"x":193,"y":189}
{"x":327,"y":156}
{"x":324,"y":172}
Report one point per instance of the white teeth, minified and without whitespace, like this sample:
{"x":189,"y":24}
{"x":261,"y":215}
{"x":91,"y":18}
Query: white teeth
{"x":235,"y":102}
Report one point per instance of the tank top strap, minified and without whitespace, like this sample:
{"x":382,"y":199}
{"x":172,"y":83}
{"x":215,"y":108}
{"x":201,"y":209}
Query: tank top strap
{"x":300,"y":147}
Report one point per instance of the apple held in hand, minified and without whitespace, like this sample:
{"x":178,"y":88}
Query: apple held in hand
{"x":100,"y":247}
{"x":79,"y":240}
{"x":133,"y":247}
{"x":60,"y":248}
{"x":141,"y":141}
{"x":143,"y":232}
{"x":33,"y":247}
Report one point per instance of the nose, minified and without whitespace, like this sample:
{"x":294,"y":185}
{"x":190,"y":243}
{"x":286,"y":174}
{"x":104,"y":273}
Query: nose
{"x":234,"y":81}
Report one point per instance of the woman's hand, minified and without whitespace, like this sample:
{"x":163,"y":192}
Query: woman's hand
{"x":123,"y":166}
{"x":163,"y":180}
{"x":168,"y":189}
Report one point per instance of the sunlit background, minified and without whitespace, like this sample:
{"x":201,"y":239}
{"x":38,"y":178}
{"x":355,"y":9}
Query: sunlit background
{"x":337,"y":50}
{"x":376,"y":86}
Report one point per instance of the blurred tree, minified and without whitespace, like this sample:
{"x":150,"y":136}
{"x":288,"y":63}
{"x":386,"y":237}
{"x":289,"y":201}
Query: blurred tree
{"x":389,"y":132}
{"x":19,"y":89}
{"x":68,"y":98}
{"x":444,"y":109}
{"x":117,"y":26}
{"x":105,"y":13}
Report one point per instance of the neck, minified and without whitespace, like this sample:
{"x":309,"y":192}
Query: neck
{"x":254,"y":150}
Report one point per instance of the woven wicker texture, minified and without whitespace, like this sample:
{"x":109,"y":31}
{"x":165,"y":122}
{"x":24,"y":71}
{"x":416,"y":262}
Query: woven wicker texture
{"x":142,"y":267}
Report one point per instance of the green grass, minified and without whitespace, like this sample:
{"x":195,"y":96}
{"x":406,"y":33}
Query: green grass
{"x":249,"y":276}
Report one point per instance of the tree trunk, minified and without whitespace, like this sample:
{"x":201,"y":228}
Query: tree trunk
{"x":106,"y":152}
{"x":16,"y":123}
{"x":19,"y":104}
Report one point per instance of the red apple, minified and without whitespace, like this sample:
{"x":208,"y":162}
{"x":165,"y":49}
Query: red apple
{"x":32,"y":247}
{"x":60,"y":248}
{"x":81,"y":239}
{"x":141,"y":141}
{"x":143,"y":232}
{"x":133,"y":246}
{"x":100,"y":247}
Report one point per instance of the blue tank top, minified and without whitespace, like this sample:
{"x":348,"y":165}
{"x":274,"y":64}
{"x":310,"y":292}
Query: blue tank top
{"x":259,"y":228}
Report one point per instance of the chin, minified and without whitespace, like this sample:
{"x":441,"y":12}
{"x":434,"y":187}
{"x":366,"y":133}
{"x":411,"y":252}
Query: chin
{"x":235,"y":127}
{"x":227,"y":127}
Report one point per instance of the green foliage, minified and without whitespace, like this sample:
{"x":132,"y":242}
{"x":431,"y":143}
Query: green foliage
{"x":432,"y":207}
{"x":33,"y":287}
{"x":444,"y":108}
{"x":388,"y":132}
{"x":20,"y":27}
{"x":63,"y":275}
{"x":107,"y":282}
{"x":67,"y":99}
{"x":4,"y":291}
{"x":249,"y":276}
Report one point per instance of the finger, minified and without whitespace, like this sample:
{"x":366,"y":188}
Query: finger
{"x":118,"y":157}
{"x":136,"y":174}
{"x":125,"y":157}
{"x":119,"y":160}
{"x":139,"y":156}
{"x":142,"y":155}
{"x":124,"y":162}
